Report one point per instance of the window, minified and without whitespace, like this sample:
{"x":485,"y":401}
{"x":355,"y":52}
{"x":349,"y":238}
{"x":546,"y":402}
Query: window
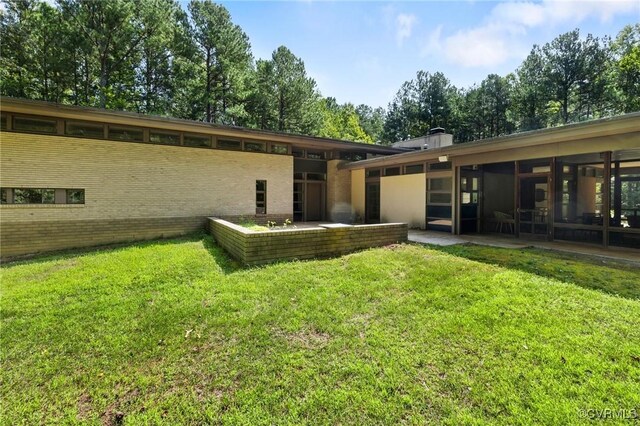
{"x":255,"y":146}
{"x":132,"y":134}
{"x":33,"y":196}
{"x":413,"y":169}
{"x":229,"y":144}
{"x":36,"y":125}
{"x":316,"y":176}
{"x":261,"y":197}
{"x":352,"y":156}
{"x":75,"y":196}
{"x":87,"y":130}
{"x":297,"y":153}
{"x":277,"y":148}
{"x":372,"y":173}
{"x":392,"y":171}
{"x":315,"y":155}
{"x":440,"y":166}
{"x":197,"y":140}
{"x":164,"y":138}
{"x":3,"y":122}
{"x":42,"y":196}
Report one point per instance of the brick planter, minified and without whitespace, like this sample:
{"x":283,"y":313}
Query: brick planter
{"x":253,"y":248}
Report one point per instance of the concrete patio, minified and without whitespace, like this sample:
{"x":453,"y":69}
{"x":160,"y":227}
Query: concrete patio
{"x":445,"y":239}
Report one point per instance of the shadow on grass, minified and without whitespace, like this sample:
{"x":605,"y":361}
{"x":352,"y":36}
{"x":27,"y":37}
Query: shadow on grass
{"x":221,"y":257}
{"x":616,"y":278}
{"x":227,"y":265}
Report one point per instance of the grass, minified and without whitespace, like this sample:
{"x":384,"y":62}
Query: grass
{"x":174,"y":332}
{"x":609,"y":276}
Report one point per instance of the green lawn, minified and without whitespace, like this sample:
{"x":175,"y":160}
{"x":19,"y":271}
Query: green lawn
{"x":173,"y":332}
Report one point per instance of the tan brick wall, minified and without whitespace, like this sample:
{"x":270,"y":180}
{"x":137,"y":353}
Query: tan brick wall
{"x":22,"y":238}
{"x":126,"y":182}
{"x":339,"y":208}
{"x":133,"y":180}
{"x":253,"y":248}
{"x":357,"y":192}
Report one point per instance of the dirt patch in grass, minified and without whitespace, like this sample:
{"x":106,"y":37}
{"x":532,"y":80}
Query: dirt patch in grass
{"x":307,"y":339}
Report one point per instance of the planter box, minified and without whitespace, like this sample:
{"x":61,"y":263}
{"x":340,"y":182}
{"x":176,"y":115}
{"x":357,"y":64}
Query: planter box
{"x":258,"y":247}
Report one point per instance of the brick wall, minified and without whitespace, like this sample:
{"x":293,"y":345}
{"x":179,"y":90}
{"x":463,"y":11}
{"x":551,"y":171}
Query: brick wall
{"x":133,"y":191}
{"x":254,"y":248}
{"x":339,"y":207}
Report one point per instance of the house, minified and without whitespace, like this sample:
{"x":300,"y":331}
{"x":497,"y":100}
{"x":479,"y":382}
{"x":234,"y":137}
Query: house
{"x":75,"y":176}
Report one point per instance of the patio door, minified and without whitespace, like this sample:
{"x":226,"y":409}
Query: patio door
{"x":372,"y":202}
{"x":533,"y":206}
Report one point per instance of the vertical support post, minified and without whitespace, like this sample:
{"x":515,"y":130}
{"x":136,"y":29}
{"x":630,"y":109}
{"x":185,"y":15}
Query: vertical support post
{"x":617,"y":196}
{"x":516,"y":200}
{"x":456,"y":199}
{"x":606,"y":198}
{"x":552,"y":200}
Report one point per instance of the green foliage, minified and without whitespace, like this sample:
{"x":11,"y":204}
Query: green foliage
{"x":342,"y":122}
{"x":174,"y":332}
{"x":194,"y":62}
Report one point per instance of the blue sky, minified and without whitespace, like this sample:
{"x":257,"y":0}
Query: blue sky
{"x":361,"y":52}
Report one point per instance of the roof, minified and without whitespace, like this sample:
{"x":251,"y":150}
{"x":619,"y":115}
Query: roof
{"x":27,"y":106}
{"x":622,"y":124}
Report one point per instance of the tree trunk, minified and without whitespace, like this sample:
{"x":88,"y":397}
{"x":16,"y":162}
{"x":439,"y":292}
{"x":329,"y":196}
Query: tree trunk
{"x":208,"y":89}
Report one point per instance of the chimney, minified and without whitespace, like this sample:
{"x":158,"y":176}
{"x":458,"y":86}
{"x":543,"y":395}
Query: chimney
{"x":435,"y":138}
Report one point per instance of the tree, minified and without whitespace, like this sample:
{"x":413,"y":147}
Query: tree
{"x":625,"y":69}
{"x":531,"y":93}
{"x":420,"y":105}
{"x":341,"y":122}
{"x":225,"y":54}
{"x":371,"y":121}
{"x":284,"y":98}
{"x":573,"y":68}
{"x":114,"y":33}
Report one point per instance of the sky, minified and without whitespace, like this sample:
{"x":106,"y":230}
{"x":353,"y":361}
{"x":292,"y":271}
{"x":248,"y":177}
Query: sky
{"x":362,"y":52}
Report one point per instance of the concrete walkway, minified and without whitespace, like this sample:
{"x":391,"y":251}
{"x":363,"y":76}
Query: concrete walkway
{"x":445,"y":239}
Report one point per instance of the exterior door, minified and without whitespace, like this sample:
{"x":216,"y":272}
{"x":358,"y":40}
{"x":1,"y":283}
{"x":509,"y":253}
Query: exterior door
{"x":372,"y":202}
{"x":314,"y":202}
{"x":533,"y":207}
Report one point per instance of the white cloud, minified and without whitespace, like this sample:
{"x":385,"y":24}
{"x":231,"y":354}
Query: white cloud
{"x":404,"y":27}
{"x":502,"y":35}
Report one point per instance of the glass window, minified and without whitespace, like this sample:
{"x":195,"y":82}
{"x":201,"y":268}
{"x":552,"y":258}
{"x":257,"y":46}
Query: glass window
{"x":277,"y":148}
{"x":229,"y":144}
{"x":316,"y":176}
{"x":36,"y":125}
{"x":87,"y":130}
{"x":535,"y":166}
{"x":75,"y":196}
{"x":446,"y":165}
{"x":33,"y":196}
{"x":4,"y":195}
{"x":3,"y":121}
{"x":120,"y":133}
{"x":392,"y":171}
{"x":440,"y":184}
{"x":297,"y":153}
{"x":164,"y":138}
{"x":314,"y":155}
{"x":439,"y":198}
{"x":261,"y":197}
{"x":413,"y":169}
{"x":373,"y":173}
{"x":196,"y":140}
{"x":255,"y":146}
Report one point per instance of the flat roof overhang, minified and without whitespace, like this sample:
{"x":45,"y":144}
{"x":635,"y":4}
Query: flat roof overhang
{"x":71,"y":112}
{"x":624,"y":128}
